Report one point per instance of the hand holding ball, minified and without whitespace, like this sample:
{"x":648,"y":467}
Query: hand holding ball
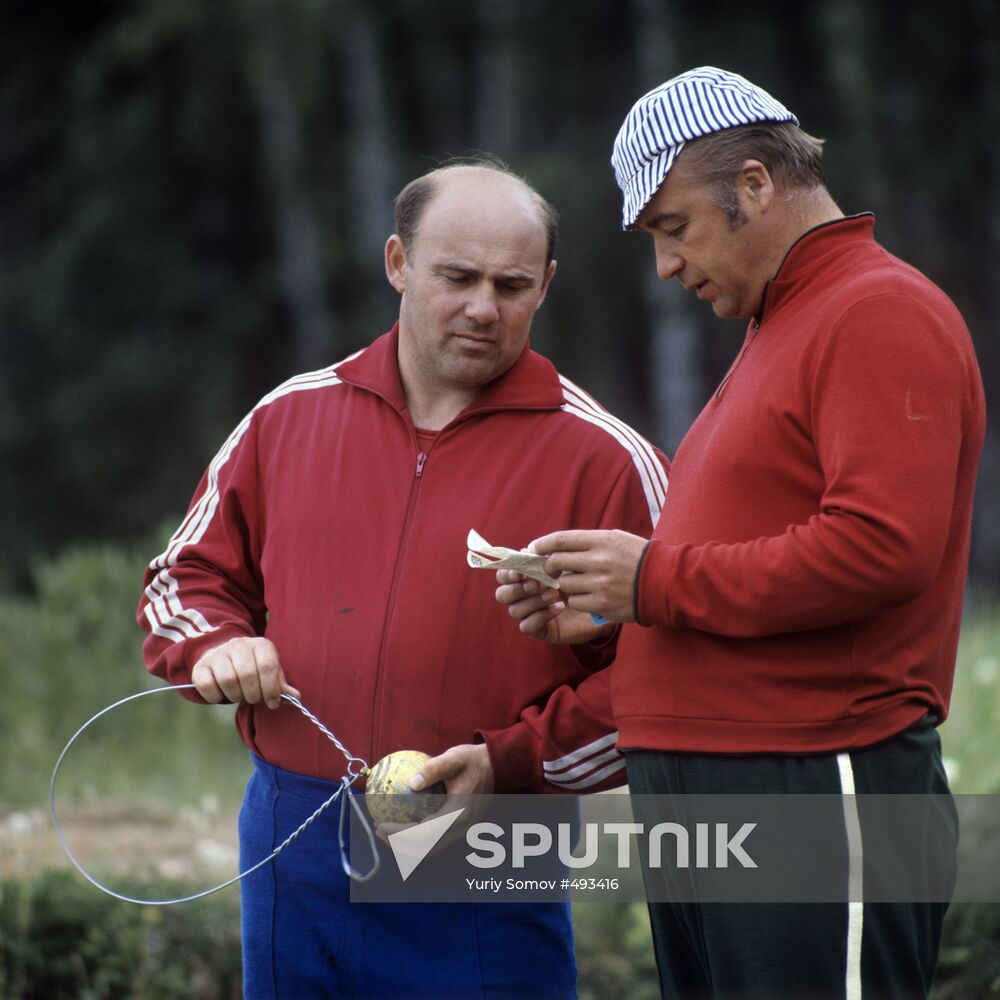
{"x":388,"y":795}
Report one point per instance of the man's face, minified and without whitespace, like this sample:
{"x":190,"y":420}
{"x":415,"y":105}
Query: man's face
{"x":471,"y":281}
{"x":718,"y":257}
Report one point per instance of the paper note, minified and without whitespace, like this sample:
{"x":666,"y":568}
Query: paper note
{"x":482,"y":555}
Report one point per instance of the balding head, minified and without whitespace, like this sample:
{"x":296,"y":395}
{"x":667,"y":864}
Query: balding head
{"x":495,"y":181}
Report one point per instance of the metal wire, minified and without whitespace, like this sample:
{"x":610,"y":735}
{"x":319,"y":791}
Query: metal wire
{"x":356,"y":767}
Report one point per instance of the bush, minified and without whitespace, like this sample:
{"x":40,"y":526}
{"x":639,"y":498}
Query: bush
{"x":60,"y":939}
{"x":74,"y":648}
{"x":969,"y":965}
{"x":614,"y":951}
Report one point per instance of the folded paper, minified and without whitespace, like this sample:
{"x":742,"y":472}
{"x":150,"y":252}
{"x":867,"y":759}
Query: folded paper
{"x":482,"y":555}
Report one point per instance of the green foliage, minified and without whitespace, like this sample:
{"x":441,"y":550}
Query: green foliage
{"x":73,"y":648}
{"x":69,"y":651}
{"x":614,"y":951}
{"x":969,"y":735}
{"x":194,"y":193}
{"x":969,"y":964}
{"x":62,"y":940}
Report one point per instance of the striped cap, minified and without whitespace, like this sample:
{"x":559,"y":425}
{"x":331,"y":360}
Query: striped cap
{"x":691,"y":105}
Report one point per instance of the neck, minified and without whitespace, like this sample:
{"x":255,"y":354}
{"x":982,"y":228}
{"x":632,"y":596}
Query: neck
{"x":809,"y":208}
{"x":431,"y":411}
{"x":433,"y":402}
{"x":797,"y":211}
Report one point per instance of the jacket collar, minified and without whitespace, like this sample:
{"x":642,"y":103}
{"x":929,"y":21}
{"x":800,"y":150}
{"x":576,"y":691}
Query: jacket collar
{"x":799,"y":263}
{"x":532,"y":382}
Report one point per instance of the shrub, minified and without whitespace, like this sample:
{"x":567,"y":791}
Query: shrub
{"x":60,"y":939}
{"x":69,"y":651}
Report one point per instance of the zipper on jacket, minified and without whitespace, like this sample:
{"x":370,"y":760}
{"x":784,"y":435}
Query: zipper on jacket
{"x":391,"y":603}
{"x":751,"y":336}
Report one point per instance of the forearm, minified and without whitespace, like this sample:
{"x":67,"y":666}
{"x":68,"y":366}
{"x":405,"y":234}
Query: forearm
{"x":567,"y":745}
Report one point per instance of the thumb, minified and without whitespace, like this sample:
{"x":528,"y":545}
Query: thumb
{"x":287,"y":688}
{"x":440,"y":768}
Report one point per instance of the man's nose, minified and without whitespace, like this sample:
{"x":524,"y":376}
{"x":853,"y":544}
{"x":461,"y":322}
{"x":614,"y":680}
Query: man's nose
{"x":482,"y":305}
{"x":668,"y":264}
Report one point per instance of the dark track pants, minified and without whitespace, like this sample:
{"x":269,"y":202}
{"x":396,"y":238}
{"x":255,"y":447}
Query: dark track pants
{"x":303,"y":939}
{"x":798,"y":951}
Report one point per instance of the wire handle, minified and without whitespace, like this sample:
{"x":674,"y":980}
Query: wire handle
{"x":356,"y":768}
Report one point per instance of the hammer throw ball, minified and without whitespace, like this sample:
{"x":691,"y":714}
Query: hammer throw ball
{"x":388,"y":795}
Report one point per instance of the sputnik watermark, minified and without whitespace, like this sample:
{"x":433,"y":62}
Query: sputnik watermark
{"x":534,"y":840}
{"x":685,"y":848}
{"x":494,"y":846}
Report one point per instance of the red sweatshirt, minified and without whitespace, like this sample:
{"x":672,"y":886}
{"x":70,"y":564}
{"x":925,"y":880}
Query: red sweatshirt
{"x":325,"y":525}
{"x":803,"y":590}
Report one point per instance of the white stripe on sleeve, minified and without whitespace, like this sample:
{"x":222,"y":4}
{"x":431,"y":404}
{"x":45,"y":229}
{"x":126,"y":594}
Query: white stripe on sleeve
{"x":651,"y":472}
{"x":165,"y":610}
{"x":586,"y":766}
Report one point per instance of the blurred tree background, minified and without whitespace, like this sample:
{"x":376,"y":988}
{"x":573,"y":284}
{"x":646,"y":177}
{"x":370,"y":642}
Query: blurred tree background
{"x":194,"y":198}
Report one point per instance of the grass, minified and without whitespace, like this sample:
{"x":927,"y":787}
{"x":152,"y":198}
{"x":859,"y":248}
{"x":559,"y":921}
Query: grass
{"x":614,"y":945}
{"x":73,"y":648}
{"x":69,"y":652}
{"x":969,"y":734}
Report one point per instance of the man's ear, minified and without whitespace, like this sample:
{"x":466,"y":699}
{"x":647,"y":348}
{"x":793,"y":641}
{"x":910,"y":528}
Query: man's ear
{"x":549,"y":273}
{"x":756,"y":185}
{"x":395,"y":263}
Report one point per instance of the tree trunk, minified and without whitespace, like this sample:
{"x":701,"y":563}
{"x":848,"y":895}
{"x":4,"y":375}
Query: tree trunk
{"x":296,"y":229}
{"x":495,"y":78}
{"x":677,"y":390}
{"x":371,"y":156}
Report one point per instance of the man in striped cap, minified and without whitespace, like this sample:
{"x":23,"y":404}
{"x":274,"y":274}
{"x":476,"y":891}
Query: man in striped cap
{"x":794,"y":619}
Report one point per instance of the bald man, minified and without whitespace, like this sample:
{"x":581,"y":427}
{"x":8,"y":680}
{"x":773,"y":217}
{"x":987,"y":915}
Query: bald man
{"x":321,"y":547}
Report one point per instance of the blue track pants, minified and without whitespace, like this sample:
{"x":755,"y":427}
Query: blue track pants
{"x":303,"y":939}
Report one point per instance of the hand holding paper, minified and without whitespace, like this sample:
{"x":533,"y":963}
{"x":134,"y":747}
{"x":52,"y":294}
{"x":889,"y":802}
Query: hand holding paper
{"x":482,"y":555}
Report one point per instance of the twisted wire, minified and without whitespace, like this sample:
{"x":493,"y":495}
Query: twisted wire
{"x":342,"y":788}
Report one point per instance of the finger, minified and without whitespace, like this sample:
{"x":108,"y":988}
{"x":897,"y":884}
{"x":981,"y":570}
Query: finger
{"x":226,"y":677}
{"x":573,"y":581}
{"x":532,"y":605}
{"x":385,"y":830}
{"x":513,"y":593}
{"x":243,"y":657}
{"x":203,"y":678}
{"x":268,"y":672}
{"x":537,"y":625}
{"x":444,"y":767}
{"x":510,"y":576}
{"x":287,"y":688}
{"x":565,"y":541}
{"x":509,"y":593}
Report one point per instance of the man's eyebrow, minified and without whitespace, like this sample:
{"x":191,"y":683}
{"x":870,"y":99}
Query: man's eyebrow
{"x":508,"y":276}
{"x":453,"y":265}
{"x":663,"y":219}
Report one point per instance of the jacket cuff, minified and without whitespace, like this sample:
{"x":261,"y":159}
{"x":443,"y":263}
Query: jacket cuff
{"x":194,"y":649}
{"x":177,"y":662}
{"x":651,"y":603}
{"x":514,"y":756}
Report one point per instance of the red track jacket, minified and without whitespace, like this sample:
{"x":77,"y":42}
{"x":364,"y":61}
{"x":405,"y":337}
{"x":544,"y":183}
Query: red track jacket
{"x":803,"y":590}
{"x":324,"y":525}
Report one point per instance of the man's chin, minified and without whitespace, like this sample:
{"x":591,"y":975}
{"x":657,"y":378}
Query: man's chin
{"x":475,"y":372}
{"x":727,"y":310}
